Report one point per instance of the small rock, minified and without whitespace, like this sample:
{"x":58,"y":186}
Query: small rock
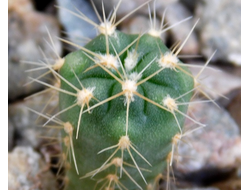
{"x":26,"y":34}
{"x":78,"y":30}
{"x":211,"y":150}
{"x":27,"y":170}
{"x":10,"y":135}
{"x":220,"y":29}
{"x":215,"y":81}
{"x":175,"y":13}
{"x":28,"y":127}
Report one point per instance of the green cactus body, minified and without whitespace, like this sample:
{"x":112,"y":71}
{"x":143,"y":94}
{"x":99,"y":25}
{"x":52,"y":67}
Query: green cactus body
{"x":125,"y":131}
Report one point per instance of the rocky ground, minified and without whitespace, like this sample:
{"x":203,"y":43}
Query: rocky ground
{"x":212,"y":158}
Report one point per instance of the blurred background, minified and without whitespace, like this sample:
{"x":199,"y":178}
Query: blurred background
{"x":210,"y":160}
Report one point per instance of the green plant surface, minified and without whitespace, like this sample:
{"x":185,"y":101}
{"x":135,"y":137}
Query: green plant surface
{"x":123,"y":101}
{"x":150,"y":126}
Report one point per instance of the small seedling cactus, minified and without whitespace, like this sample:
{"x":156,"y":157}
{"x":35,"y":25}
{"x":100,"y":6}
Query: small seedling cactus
{"x":123,"y":101}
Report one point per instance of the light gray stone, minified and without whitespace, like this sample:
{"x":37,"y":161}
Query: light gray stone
{"x":27,"y":170}
{"x":220,"y":29}
{"x":215,"y":147}
{"x":175,"y":13}
{"x":77,"y":30}
{"x":28,"y":125}
{"x":216,"y":82}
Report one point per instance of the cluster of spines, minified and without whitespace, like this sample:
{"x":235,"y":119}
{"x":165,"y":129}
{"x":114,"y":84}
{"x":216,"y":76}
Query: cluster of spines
{"x":129,"y":83}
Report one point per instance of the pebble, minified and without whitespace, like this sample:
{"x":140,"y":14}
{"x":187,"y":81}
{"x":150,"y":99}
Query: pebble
{"x":175,"y":13}
{"x":216,"y":82}
{"x":211,"y":150}
{"x":27,"y":170}
{"x":26,"y":33}
{"x":78,"y":31}
{"x":27,"y":126}
{"x":220,"y":29}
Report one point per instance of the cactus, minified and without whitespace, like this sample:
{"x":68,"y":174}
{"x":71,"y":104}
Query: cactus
{"x":123,"y":101}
